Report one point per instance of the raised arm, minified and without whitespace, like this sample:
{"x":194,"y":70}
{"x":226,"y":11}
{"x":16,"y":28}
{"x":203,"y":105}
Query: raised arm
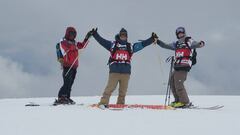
{"x":195,"y":44}
{"x":82,"y":45}
{"x":170,"y":46}
{"x":105,"y":43}
{"x":140,"y":45}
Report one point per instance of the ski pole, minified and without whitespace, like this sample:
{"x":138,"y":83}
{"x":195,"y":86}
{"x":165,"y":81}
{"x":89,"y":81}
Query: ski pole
{"x":161,"y":67}
{"x":167,"y":96}
{"x":76,"y":59}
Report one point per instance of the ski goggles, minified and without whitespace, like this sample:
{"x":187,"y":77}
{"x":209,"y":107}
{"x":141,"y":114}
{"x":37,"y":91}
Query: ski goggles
{"x":72,"y":33}
{"x":180,"y":30}
{"x":123,"y":34}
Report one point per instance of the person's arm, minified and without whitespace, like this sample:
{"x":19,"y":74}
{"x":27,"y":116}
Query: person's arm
{"x":170,"y":46}
{"x":195,"y":44}
{"x":140,"y":45}
{"x":82,"y":45}
{"x":59,"y":53}
{"x":105,"y":43}
{"x":64,"y":50}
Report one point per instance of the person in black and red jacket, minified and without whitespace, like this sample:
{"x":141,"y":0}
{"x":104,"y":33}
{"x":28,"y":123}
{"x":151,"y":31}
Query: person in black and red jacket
{"x":184,"y":49}
{"x":67,"y":53}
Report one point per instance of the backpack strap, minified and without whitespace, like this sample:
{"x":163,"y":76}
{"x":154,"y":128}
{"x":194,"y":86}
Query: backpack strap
{"x":194,"y":52}
{"x":129,"y":49}
{"x":112,"y":51}
{"x":186,"y":41}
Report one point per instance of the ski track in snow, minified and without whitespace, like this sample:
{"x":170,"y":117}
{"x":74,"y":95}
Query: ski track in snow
{"x":16,"y":119}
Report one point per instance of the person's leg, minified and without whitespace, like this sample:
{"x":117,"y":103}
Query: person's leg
{"x":179,"y":79}
{"x":123,"y":86}
{"x":63,"y":90}
{"x":172,"y":87}
{"x":111,"y":86}
{"x":72,"y":76}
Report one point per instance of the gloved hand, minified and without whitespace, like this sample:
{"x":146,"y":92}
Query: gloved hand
{"x":94,"y":30}
{"x":60,"y":60}
{"x":154,"y":37}
{"x":202,"y":43}
{"x":89,"y":34}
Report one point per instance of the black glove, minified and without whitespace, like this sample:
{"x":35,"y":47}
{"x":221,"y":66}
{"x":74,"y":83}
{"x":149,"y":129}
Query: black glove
{"x":202,"y":42}
{"x":89,"y":34}
{"x":94,"y":30}
{"x":154,"y":35}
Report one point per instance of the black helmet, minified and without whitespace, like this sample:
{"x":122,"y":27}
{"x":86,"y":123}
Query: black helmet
{"x":123,"y":31}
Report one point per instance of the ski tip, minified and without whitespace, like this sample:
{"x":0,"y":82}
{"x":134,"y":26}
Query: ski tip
{"x":32,"y":104}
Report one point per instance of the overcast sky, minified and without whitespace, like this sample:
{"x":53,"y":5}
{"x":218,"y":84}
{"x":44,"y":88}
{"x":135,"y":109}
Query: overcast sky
{"x":30,"y":29}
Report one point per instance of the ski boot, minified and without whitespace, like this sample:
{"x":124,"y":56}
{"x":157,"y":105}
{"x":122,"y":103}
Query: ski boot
{"x":103,"y":106}
{"x":70,"y":101}
{"x":61,"y":101}
{"x":173,"y":103}
{"x":188,"y":105}
{"x":181,"y":105}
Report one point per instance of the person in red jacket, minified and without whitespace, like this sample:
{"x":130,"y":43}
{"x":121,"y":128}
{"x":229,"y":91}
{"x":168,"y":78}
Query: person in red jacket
{"x":67,"y":52}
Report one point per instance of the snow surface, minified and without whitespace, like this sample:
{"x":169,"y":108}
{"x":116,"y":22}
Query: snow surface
{"x":16,"y":119}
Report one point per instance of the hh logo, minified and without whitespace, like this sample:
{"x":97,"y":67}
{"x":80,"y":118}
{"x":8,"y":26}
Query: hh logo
{"x":179,"y":54}
{"x":122,"y":56}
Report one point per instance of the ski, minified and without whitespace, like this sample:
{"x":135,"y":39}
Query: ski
{"x":117,"y":107}
{"x":152,"y":107}
{"x":216,"y":107}
{"x":132,"y":106}
{"x":32,"y":104}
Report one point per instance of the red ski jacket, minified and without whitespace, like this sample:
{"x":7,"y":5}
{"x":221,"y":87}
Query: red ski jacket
{"x":69,"y":51}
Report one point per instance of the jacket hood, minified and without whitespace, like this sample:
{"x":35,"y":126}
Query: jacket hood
{"x":70,"y":30}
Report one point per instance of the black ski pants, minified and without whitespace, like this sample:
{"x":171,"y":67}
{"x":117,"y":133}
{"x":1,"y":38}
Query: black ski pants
{"x":68,"y":81}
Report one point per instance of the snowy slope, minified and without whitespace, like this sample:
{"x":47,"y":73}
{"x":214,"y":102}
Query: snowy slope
{"x":16,"y":119}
